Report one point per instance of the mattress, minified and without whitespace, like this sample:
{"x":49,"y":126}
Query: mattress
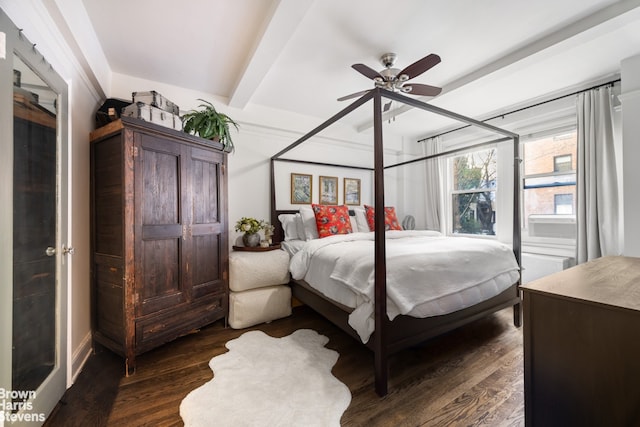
{"x":428,"y":274}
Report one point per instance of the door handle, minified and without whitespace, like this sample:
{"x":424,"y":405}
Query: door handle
{"x":51,"y":251}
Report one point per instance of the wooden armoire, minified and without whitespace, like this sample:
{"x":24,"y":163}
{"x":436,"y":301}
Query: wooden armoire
{"x":159,"y":235}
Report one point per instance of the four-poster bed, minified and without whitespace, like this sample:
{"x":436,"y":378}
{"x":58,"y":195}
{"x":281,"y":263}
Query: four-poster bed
{"x":391,"y":336}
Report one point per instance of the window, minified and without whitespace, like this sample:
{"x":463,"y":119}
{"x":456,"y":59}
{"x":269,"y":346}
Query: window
{"x":563,"y":204}
{"x":562,"y":163}
{"x":473,"y":193}
{"x":550,"y":186}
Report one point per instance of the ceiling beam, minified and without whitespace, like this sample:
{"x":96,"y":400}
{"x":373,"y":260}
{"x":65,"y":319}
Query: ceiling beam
{"x":279,"y":26}
{"x":613,"y":16}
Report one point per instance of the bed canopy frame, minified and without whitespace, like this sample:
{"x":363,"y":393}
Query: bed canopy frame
{"x":383,"y":342}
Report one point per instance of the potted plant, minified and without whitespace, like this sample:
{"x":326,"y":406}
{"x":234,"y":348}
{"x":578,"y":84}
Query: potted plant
{"x":250,"y":227}
{"x":209,"y":124}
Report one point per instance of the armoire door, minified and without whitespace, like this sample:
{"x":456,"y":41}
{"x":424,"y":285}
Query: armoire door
{"x":207,"y":222}
{"x":160,"y":225}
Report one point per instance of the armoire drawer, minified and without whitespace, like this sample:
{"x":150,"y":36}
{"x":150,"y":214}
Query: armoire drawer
{"x":163,"y":327}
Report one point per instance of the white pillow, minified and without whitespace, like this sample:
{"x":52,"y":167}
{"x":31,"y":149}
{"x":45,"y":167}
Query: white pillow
{"x":309,"y":223}
{"x":361,"y":220}
{"x":354,"y":223}
{"x":290,"y":226}
{"x":300,"y":227}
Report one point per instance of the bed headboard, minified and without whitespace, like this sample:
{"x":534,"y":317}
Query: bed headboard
{"x":278,"y":233}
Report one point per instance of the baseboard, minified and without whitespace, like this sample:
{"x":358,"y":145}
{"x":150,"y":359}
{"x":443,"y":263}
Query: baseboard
{"x":79,"y":358}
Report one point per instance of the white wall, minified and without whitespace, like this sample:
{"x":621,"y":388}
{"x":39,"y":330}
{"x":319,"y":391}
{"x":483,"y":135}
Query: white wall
{"x":249,"y":172}
{"x":630,"y":98}
{"x":410,"y":183}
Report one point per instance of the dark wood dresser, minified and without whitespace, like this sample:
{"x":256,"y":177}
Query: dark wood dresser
{"x":582,"y":345}
{"x":159,"y":235}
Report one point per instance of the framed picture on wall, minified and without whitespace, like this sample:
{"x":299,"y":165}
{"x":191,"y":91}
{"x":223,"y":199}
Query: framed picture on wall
{"x":328,"y":190}
{"x":301,"y":188}
{"x":351,"y":191}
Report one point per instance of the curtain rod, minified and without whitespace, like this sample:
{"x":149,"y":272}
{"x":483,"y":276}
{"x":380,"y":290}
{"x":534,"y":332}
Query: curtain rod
{"x":612,"y":82}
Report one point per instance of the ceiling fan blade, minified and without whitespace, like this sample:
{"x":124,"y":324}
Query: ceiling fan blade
{"x":424,"y":90}
{"x":366,"y":71}
{"x":353,"y":95}
{"x":420,"y":66}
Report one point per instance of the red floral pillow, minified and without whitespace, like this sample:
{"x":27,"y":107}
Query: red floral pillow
{"x":331,"y":219}
{"x":390,"y":218}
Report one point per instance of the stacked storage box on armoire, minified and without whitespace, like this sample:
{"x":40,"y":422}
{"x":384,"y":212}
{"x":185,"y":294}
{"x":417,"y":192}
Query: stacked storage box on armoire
{"x":155,"y":108}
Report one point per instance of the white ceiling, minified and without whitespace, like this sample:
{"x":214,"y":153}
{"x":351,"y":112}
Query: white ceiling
{"x":296,"y":55}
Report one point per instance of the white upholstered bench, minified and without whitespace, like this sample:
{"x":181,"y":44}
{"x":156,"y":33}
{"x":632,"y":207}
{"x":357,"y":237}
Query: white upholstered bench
{"x":258,"y":284}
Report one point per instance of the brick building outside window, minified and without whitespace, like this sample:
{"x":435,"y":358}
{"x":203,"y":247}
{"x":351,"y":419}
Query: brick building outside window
{"x":549,"y":195}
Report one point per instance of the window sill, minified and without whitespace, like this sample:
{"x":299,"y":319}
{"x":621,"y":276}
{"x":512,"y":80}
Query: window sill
{"x":549,"y":246}
{"x":478,"y":236}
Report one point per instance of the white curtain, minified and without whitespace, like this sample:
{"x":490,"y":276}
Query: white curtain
{"x":433,"y":180}
{"x":597,"y":187}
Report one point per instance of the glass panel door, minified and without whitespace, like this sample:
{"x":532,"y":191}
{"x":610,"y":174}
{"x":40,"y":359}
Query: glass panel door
{"x":34,"y":223}
{"x":34,"y":231}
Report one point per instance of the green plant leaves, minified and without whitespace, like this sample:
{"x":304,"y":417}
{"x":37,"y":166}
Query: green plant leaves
{"x":208,"y":123}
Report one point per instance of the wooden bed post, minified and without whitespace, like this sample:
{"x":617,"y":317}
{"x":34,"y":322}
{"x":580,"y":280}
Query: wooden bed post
{"x":380,"y":347}
{"x":273,"y":218}
{"x":517,"y":238}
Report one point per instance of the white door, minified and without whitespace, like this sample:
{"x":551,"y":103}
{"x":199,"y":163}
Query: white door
{"x":33,"y":279}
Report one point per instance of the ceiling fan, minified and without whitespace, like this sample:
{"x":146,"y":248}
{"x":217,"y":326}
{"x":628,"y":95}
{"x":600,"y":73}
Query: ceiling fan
{"x":396,"y":80}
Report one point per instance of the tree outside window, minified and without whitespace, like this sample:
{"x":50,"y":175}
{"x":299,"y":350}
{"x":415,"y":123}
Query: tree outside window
{"x":474,"y":192}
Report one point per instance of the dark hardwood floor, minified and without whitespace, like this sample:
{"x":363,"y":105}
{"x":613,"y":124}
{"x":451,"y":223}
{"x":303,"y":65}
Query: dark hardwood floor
{"x":471,"y":376}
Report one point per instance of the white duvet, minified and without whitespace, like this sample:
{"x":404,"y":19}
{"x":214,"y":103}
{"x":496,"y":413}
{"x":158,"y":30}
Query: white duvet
{"x":424,"y":269}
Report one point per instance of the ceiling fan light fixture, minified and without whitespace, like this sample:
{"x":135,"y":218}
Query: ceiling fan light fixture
{"x":388,"y":59}
{"x":393,"y":79}
{"x":389,"y":74}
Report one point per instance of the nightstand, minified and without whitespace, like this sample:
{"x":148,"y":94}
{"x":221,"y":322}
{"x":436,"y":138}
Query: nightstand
{"x":258,"y":284}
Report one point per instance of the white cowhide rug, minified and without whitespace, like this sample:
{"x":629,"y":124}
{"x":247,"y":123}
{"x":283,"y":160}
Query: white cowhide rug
{"x":266,"y":381}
